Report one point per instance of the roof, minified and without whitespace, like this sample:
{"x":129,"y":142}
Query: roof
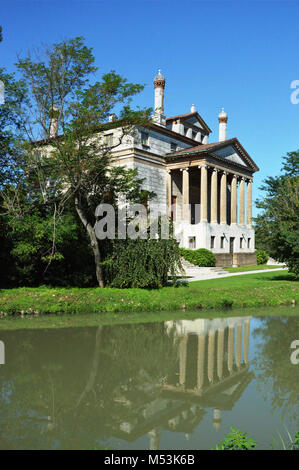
{"x":188,"y":115}
{"x":215,"y":146}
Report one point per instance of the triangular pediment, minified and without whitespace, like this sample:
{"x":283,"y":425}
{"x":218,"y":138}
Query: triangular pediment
{"x":230,"y":153}
{"x":230,"y":150}
{"x":193,"y":119}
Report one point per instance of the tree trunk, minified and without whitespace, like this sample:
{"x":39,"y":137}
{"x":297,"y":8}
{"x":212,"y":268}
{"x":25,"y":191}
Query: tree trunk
{"x":93,"y":243}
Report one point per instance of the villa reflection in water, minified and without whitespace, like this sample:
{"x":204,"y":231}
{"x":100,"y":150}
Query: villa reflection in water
{"x":212,"y":372}
{"x":172,"y":385}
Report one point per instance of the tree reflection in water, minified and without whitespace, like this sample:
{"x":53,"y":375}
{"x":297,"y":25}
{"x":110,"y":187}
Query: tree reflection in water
{"x":277,"y":376}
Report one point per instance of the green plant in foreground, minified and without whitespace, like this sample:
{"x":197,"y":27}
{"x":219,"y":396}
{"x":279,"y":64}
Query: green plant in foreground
{"x":292,"y":445}
{"x":236,"y":440}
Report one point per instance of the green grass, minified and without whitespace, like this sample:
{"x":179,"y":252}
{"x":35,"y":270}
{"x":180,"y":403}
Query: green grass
{"x":251,"y":290}
{"x":258,"y":267}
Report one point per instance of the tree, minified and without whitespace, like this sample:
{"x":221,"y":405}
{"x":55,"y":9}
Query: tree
{"x":66,"y":162}
{"x":277,"y":227}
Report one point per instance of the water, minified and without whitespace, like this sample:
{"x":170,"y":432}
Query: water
{"x":171,"y":385}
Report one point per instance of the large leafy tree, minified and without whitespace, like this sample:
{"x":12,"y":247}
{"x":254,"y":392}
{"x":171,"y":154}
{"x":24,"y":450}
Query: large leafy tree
{"x":277,"y":227}
{"x":65,"y":163}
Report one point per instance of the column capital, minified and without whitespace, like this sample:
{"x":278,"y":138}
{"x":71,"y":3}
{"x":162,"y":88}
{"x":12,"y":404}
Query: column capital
{"x":224,"y":172}
{"x":215,"y":169}
{"x":203,"y":166}
{"x":185,"y":169}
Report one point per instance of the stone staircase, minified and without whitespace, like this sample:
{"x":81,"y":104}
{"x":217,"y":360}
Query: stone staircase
{"x":191,"y":270}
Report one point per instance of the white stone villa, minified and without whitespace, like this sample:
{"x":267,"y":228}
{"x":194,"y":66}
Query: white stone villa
{"x":205,"y":187}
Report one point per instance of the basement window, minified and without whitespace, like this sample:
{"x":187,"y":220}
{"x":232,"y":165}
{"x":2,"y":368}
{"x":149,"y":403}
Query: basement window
{"x":192,"y":244}
{"x":222,"y":242}
{"x":212,"y":242}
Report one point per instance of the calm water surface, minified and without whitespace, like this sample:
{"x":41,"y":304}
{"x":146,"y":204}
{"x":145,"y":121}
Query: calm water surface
{"x":171,"y":385}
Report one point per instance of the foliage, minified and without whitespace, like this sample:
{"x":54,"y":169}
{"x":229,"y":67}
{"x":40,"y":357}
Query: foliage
{"x":69,"y":169}
{"x":141,"y":263}
{"x":295,"y":443}
{"x":200,"y":257}
{"x":261,"y":256}
{"x":236,"y":440}
{"x":277,"y":227}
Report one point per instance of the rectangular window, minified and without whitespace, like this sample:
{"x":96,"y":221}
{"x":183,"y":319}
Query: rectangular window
{"x":222,"y":242}
{"x":192,"y":243}
{"x":248,"y":243}
{"x":241,"y":242}
{"x":212,"y":242}
{"x":108,"y":140}
{"x":173,"y":208}
{"x":173,"y":147}
{"x":144,"y":139}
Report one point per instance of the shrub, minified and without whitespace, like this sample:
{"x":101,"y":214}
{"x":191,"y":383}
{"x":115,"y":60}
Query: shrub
{"x":201,"y":257}
{"x":261,"y":257}
{"x":236,"y":440}
{"x":143,"y":263}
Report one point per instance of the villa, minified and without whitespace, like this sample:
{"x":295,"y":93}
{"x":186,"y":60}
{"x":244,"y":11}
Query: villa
{"x":206,"y":188}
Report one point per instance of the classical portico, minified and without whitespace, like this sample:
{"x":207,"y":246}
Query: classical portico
{"x":210,"y":199}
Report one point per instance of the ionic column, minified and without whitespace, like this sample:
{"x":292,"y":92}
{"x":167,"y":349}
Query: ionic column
{"x":239,"y":344}
{"x":200,"y":361}
{"x":246,"y":340}
{"x":211,"y":349}
{"x":204,"y":193}
{"x":168,"y":192}
{"x":242,"y":202}
{"x":214,"y":196}
{"x":230,"y":349}
{"x":220,"y":345}
{"x":185,"y":190}
{"x":183,"y":359}
{"x":223,"y":198}
{"x":233,"y":208}
{"x":249,"y":203}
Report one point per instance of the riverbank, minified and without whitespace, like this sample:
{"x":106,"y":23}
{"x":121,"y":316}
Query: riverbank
{"x":248,"y":290}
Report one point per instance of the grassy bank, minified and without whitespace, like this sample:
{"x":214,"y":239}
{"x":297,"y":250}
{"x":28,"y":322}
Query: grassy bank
{"x":258,"y":267}
{"x":52,"y":321}
{"x":251,"y":290}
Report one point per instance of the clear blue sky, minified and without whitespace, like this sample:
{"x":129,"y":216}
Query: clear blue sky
{"x":240,"y":55}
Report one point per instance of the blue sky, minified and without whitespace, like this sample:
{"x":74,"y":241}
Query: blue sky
{"x":240,"y":55}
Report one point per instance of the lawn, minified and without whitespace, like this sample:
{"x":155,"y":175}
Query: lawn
{"x":248,"y":290}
